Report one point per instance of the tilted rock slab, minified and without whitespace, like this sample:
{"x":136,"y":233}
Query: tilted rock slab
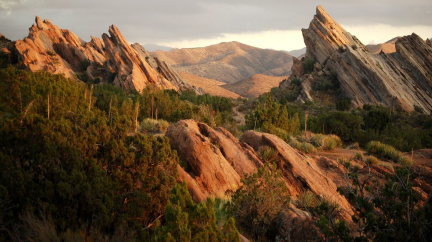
{"x":300,"y":172}
{"x":216,"y":160}
{"x":400,"y":80}
{"x":110,"y":59}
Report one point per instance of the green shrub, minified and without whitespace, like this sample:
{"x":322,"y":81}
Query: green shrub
{"x":302,"y":146}
{"x":149,"y":125}
{"x":268,"y":154}
{"x":358,"y":156}
{"x":307,"y":200}
{"x":372,"y":160}
{"x":386,"y":151}
{"x":308,"y":65}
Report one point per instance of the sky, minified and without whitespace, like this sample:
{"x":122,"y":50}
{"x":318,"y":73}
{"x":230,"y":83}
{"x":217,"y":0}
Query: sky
{"x":270,"y":24}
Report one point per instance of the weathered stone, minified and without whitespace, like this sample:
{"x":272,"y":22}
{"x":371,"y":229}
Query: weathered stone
{"x":400,"y":80}
{"x":300,"y":172}
{"x":110,"y":59}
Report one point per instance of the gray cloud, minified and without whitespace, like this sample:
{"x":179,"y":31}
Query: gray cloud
{"x":172,"y":20}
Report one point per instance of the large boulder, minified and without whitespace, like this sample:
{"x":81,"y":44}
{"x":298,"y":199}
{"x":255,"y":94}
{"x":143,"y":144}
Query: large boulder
{"x":214,"y":161}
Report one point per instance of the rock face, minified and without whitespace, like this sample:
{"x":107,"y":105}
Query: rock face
{"x":109,"y":60}
{"x":400,"y":80}
{"x":299,"y":171}
{"x":215,"y":159}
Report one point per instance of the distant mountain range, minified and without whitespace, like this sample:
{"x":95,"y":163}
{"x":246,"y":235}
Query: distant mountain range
{"x":228,"y":62}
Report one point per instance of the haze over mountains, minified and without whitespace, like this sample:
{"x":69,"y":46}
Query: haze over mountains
{"x":228,"y":62}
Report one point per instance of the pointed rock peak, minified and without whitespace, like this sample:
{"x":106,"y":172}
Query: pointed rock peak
{"x":116,"y":34}
{"x":39,"y":23}
{"x":322,"y":14}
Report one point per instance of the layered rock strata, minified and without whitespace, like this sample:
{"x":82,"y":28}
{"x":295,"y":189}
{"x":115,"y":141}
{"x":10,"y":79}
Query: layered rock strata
{"x":109,"y":60}
{"x":214,"y":161}
{"x":400,"y":80}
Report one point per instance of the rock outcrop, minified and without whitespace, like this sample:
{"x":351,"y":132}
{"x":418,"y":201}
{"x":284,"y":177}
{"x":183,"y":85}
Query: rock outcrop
{"x":300,"y":172}
{"x":109,"y":60}
{"x":400,"y":80}
{"x":214,"y":160}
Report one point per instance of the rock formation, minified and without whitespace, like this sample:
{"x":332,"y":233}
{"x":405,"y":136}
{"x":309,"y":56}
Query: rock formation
{"x":109,"y":60}
{"x":215,"y":160}
{"x":400,"y":80}
{"x":300,"y":172}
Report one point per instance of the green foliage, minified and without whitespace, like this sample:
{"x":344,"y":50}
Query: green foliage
{"x":308,"y":65}
{"x":149,"y":126}
{"x":273,"y":115}
{"x":389,"y":211}
{"x":372,"y":160}
{"x":257,"y":203}
{"x":187,"y":221}
{"x":269,"y":154}
{"x":343,"y":105}
{"x":345,"y":125}
{"x":302,"y":146}
{"x":296,"y":82}
{"x":386,"y":151}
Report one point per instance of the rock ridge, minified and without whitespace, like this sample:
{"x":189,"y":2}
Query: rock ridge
{"x":400,"y":80}
{"x":110,"y":59}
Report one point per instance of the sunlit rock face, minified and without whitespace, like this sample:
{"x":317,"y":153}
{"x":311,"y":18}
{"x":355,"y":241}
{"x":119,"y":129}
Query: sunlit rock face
{"x":399,"y":80}
{"x":110,"y":59}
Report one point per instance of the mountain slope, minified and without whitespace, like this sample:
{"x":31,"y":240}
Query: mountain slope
{"x":387,"y":47}
{"x":255,"y":85}
{"x":209,"y":86}
{"x":228,"y":62}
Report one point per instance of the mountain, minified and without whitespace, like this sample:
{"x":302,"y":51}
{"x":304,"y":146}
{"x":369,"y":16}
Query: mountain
{"x":401,"y":80}
{"x":387,"y":47}
{"x":154,"y":47}
{"x":209,"y":86}
{"x":228,"y":62}
{"x":108,"y":60}
{"x":255,"y":85}
{"x":298,"y":53}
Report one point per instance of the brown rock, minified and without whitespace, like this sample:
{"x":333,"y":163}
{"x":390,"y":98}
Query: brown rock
{"x":111,"y":58}
{"x":211,"y":171}
{"x":400,"y":80}
{"x":301,"y":173}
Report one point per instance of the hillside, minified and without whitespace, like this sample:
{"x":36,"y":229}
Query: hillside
{"x":387,"y":47}
{"x":255,"y":85}
{"x":228,"y":62}
{"x":209,"y":86}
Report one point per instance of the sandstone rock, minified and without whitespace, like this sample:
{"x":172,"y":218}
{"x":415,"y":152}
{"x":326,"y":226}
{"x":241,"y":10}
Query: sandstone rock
{"x":110,"y":59}
{"x":300,"y":172}
{"x":216,"y":160}
{"x":400,"y":80}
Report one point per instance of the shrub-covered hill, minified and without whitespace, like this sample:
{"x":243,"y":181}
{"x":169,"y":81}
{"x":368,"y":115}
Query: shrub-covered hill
{"x":73,"y":166}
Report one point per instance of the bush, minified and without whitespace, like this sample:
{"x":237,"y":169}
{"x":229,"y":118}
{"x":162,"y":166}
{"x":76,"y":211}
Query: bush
{"x":268,"y":154}
{"x":259,"y":201}
{"x":302,"y":146}
{"x":153,"y":126}
{"x":372,"y":160}
{"x":308,"y":65}
{"x":387,"y":151}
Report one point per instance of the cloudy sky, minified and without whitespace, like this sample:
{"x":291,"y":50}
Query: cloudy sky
{"x":273,"y":24}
